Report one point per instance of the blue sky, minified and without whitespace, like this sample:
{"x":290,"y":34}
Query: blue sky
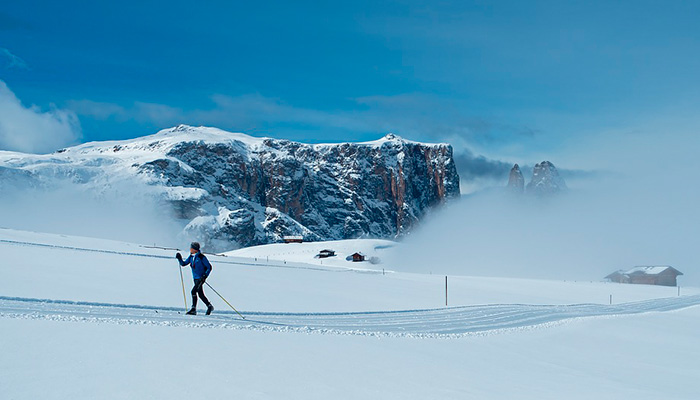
{"x":511,"y":80}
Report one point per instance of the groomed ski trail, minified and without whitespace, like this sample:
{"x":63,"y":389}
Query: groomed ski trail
{"x":428,"y":323}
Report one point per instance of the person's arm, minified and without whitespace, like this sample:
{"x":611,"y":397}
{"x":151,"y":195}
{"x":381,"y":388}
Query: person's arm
{"x":206,"y":264}
{"x":185,"y":262}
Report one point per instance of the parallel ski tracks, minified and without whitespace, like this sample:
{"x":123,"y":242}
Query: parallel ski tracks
{"x":439,"y":322}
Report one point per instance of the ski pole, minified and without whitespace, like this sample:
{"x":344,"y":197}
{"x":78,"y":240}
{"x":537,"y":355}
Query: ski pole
{"x":182,"y":281}
{"x":222,"y":298}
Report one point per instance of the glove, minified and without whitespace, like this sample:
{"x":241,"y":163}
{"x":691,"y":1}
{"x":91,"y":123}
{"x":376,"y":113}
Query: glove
{"x":178,"y":256}
{"x":204,"y":278}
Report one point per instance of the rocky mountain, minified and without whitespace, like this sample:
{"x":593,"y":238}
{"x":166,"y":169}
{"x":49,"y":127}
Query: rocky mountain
{"x":230,"y":190}
{"x":516,"y":181}
{"x":545,"y":181}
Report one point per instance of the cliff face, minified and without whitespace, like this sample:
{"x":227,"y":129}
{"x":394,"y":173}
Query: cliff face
{"x":229,"y":190}
{"x":278,"y":187}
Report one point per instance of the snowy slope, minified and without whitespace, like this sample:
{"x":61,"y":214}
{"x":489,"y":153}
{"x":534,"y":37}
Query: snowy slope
{"x":96,"y":270}
{"x":585,"y":359}
{"x":374,"y":250}
{"x":111,"y":316}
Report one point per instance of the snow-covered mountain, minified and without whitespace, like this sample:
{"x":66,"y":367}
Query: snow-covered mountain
{"x":230,"y":190}
{"x":545,"y":180}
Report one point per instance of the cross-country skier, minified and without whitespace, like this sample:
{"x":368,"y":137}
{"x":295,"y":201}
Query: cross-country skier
{"x":201,"y":268}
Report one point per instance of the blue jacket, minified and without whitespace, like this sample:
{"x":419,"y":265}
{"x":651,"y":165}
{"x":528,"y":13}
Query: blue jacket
{"x":201,"y":267}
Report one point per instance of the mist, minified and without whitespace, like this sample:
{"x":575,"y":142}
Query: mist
{"x":121,"y":213}
{"x":642,"y":211}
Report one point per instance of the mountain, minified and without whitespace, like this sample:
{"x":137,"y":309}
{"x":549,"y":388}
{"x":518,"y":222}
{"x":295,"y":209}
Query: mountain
{"x":231,"y":190}
{"x":545,"y":180}
{"x":516,"y":181}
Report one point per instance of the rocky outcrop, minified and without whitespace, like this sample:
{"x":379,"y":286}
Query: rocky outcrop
{"x":378,"y":189}
{"x":546,"y":180}
{"x":516,"y":181}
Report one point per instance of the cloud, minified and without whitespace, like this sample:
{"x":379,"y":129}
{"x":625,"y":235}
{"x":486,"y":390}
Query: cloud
{"x":97,"y":110}
{"x":472,"y":167}
{"x":11,"y":60}
{"x":413,"y":115}
{"x":478,"y":172}
{"x":29,"y":129}
{"x":160,"y":114}
{"x":66,"y":207}
{"x":643,"y":212}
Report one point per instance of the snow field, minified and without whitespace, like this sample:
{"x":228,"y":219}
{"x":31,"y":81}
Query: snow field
{"x":387,"y":336}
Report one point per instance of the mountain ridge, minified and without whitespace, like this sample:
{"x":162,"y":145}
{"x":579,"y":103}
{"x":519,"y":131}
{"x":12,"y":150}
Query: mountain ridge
{"x":233,"y":190}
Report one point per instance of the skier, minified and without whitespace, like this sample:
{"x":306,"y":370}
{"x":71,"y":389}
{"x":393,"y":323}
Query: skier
{"x":201,"y":268}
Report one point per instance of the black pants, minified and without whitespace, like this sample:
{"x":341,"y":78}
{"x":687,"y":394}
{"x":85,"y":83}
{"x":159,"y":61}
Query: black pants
{"x":199,"y":290}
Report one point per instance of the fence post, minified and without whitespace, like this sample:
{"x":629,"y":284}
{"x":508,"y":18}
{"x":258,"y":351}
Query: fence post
{"x":610,"y":299}
{"x":445,"y":290}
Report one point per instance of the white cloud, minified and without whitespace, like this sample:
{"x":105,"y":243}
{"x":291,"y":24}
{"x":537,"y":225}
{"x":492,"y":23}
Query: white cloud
{"x":160,"y":114}
{"x":32,"y":130}
{"x":97,"y":110}
{"x":413,"y":115}
{"x":13,"y":61}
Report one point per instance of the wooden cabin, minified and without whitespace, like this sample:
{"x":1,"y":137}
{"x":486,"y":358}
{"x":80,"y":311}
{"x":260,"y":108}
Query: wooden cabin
{"x":326,"y":253}
{"x":662,"y":275}
{"x":293,"y":239}
{"x":357,"y":257}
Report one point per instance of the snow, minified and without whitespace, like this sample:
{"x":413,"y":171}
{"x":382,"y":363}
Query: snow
{"x":651,"y":270}
{"x":307,"y":252}
{"x":120,"y":155}
{"x":314,"y":331}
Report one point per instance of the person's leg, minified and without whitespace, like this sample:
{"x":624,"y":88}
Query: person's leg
{"x":201,"y":294}
{"x":197,"y":287}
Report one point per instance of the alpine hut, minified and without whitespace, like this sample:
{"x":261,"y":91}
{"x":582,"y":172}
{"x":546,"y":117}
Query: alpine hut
{"x":662,"y":275}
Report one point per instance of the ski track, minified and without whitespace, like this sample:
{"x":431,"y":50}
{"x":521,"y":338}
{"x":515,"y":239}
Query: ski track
{"x":448,"y":322}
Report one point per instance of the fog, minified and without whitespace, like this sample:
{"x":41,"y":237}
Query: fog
{"x":641,"y":209}
{"x":120,"y":213}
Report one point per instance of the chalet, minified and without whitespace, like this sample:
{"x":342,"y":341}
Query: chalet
{"x":662,"y":275}
{"x":357,"y":257}
{"x":293,"y":239}
{"x":326,"y":253}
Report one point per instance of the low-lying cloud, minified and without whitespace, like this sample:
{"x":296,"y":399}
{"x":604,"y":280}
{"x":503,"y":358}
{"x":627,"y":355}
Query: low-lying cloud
{"x":478,"y":172}
{"x":32,"y":130}
{"x":645,"y":211}
{"x":123,"y":212}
